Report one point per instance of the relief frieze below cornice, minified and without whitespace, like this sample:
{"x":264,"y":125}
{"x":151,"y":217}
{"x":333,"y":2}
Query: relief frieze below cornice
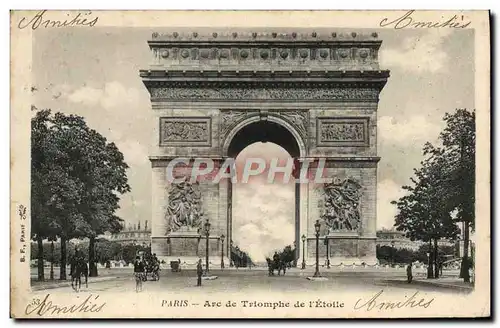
{"x":264,"y":93}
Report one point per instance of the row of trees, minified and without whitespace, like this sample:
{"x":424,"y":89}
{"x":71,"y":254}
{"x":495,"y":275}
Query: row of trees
{"x":442,"y":192}
{"x":76,"y":180}
{"x":240,"y":258}
{"x":389,"y":255}
{"x":288,"y":255}
{"x":105,"y":251}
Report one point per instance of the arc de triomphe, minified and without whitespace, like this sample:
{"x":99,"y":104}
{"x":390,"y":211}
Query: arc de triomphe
{"x":314,"y":93}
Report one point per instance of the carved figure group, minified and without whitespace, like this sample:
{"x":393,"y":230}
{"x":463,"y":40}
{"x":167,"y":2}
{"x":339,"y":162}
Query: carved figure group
{"x":182,"y":131}
{"x":184,"y":206}
{"x":342,"y":205}
{"x":342,"y":132}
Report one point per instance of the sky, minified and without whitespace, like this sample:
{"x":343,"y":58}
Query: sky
{"x":95,"y":73}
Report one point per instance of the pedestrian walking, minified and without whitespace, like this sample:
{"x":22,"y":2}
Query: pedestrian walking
{"x":409,"y":273}
{"x":138,"y":273}
{"x":199,"y":272}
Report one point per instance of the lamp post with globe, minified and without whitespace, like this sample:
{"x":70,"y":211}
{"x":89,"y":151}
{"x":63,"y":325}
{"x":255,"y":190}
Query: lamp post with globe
{"x":222,"y":237}
{"x":317,"y":227}
{"x":207,"y":235}
{"x":303,"y":251}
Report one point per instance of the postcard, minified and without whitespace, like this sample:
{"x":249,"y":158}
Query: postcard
{"x":250,"y":164}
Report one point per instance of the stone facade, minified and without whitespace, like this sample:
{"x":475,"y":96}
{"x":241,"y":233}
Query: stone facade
{"x":132,"y":234}
{"x":313,"y":93}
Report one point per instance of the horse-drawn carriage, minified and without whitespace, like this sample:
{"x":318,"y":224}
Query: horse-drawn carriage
{"x":276,"y":264}
{"x":152,"y":268}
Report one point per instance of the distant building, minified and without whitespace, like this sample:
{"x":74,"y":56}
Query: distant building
{"x":389,"y":238}
{"x":386,"y":237}
{"x":132,"y":234}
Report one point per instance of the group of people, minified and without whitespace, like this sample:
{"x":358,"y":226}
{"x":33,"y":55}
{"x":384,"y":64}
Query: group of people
{"x":141,"y":268}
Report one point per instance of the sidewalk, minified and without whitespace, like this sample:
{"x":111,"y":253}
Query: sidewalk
{"x":51,"y":284}
{"x":445,"y":282}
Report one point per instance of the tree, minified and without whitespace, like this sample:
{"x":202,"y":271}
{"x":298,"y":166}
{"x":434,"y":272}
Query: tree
{"x":103,"y":172}
{"x":458,"y":152}
{"x":130,"y":251}
{"x":424,"y":213}
{"x":108,"y":250}
{"x":77,"y":177}
{"x":287,"y":255}
{"x":40,"y":217}
{"x":54,"y":191}
{"x":445,"y":182}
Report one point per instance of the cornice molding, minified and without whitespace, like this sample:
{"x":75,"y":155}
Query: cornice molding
{"x":273,"y":37}
{"x":291,"y":74}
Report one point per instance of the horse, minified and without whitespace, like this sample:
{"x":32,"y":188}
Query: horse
{"x":79,"y":268}
{"x":275,"y":265}
{"x":270,"y":266}
{"x":282,"y":264}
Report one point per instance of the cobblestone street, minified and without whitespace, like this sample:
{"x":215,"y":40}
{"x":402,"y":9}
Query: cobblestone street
{"x":121,"y":280}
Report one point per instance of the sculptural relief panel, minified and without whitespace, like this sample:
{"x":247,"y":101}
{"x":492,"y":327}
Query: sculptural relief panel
{"x":188,"y":131}
{"x":342,"y":132}
{"x":341,"y":206}
{"x":184,"y":208}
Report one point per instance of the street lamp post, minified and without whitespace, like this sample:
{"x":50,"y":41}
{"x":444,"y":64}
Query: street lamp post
{"x":207,"y":234}
{"x":303,"y":251}
{"x":327,"y":252}
{"x":222,"y":237}
{"x":198,"y":242}
{"x":317,"y":227}
{"x":231,"y":254}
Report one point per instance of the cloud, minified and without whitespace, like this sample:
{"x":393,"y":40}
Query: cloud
{"x":133,"y":151}
{"x":112,"y":95}
{"x":261,"y":226}
{"x":414,"y":130}
{"x":387,"y":191}
{"x":418,"y":54}
{"x":263,"y":213}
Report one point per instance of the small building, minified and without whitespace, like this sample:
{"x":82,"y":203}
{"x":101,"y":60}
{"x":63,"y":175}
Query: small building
{"x":132,"y":233}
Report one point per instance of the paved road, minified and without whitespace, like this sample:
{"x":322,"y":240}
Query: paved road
{"x":254,"y":280}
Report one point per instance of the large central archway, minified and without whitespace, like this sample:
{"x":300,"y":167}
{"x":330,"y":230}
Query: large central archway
{"x":268,"y":129}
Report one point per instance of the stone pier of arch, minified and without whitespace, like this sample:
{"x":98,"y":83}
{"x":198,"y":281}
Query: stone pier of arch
{"x":315,"y":93}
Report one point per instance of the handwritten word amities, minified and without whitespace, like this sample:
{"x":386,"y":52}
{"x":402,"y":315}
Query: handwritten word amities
{"x":39,"y":20}
{"x":408,"y":21}
{"x":45,"y":306}
{"x":376,"y":303}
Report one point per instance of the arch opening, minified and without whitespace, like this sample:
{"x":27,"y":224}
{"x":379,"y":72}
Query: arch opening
{"x":266,"y":215}
{"x":263,"y":131}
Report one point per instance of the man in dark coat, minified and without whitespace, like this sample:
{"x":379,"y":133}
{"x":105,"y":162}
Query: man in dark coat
{"x":409,"y":273}
{"x":199,"y":272}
